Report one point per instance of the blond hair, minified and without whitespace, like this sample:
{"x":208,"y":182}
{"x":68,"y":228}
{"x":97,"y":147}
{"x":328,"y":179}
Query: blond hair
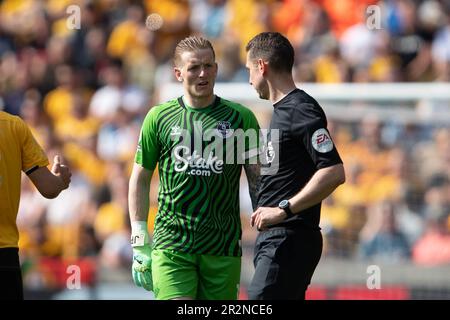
{"x":190,"y":44}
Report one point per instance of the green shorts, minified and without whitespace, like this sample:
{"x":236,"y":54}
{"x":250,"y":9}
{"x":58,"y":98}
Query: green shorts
{"x":204,"y":277}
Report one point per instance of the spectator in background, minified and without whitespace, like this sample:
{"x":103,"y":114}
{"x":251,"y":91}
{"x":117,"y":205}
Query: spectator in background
{"x":405,"y":41}
{"x":384,"y":65}
{"x":434,"y":156}
{"x":78,"y":126}
{"x":58,"y":102}
{"x":116,"y":94}
{"x":440,"y":48}
{"x":210,"y":17}
{"x":288,"y":17}
{"x":368,"y":151}
{"x":175,"y":15}
{"x":14,"y":81}
{"x":357,"y":41}
{"x":434,"y":247}
{"x":247,"y":18}
{"x":89,"y":54}
{"x":402,"y":185}
{"x":437,"y":197}
{"x":229,"y":58}
{"x":346,"y":13}
{"x":430,"y":18}
{"x":329,"y":67}
{"x":63,"y":220}
{"x":380,"y":238}
{"x":111,"y":215}
{"x":123,"y":39}
{"x":37,"y":121}
{"x":111,"y":222}
{"x":117,"y":105}
{"x":316,"y":37}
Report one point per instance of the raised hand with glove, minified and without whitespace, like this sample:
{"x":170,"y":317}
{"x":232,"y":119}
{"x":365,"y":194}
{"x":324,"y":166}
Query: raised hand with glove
{"x":142,"y":250}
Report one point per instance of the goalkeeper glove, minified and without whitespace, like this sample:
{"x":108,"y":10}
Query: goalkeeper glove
{"x":142,"y":261}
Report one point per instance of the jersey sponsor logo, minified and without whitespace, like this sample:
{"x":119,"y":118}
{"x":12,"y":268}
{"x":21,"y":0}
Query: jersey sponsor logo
{"x":224,"y":129}
{"x":195,"y":164}
{"x":321,"y":141}
{"x":176,"y":131}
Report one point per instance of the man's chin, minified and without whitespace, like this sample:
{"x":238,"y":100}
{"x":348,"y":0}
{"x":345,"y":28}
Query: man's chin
{"x":263,"y":96}
{"x":203,"y":94}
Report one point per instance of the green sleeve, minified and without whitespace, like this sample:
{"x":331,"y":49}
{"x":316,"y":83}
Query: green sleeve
{"x":148,"y":148}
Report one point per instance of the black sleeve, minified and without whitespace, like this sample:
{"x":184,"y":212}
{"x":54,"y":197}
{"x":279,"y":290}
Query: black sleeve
{"x":311,"y":131}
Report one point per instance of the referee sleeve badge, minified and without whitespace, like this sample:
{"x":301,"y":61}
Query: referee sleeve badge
{"x":321,"y":141}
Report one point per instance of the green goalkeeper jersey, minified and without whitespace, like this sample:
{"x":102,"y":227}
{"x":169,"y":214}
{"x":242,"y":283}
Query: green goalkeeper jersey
{"x":199,"y":153}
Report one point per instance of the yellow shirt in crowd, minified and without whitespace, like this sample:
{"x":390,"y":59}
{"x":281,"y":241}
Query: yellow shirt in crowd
{"x":19,"y":151}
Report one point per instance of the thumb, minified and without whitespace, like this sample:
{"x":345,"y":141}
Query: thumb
{"x":56,"y":164}
{"x":57,"y":160}
{"x":252,"y":219}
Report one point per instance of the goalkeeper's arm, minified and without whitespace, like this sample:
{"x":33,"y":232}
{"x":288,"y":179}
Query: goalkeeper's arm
{"x":138,"y":194}
{"x":138,"y":202}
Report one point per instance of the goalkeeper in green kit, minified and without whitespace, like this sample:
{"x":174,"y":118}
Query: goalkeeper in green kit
{"x":196,"y":141}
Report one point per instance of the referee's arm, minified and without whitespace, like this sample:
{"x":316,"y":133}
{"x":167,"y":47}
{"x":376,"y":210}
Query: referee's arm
{"x":320,"y":186}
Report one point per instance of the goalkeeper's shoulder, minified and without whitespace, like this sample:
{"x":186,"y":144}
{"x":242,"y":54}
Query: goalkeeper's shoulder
{"x":154,"y":113}
{"x":245,"y":111}
{"x":155,"y":110}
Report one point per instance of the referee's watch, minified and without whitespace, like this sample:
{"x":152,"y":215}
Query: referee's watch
{"x":284,"y":204}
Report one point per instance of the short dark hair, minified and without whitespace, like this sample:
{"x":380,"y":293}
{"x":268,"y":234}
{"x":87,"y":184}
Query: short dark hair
{"x":191,"y":44}
{"x":273,"y":47}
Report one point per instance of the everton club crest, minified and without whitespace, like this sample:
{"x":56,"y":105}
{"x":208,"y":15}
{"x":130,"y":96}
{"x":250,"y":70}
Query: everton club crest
{"x":224,"y":129}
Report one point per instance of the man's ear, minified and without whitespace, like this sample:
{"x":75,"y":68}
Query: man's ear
{"x":177,"y":72}
{"x":262,"y":66}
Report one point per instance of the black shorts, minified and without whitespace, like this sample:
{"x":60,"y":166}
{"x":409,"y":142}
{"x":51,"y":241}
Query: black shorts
{"x":11,"y":287}
{"x":285,"y":260}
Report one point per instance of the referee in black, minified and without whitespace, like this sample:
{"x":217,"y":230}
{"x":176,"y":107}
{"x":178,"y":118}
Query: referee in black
{"x":308,"y":169}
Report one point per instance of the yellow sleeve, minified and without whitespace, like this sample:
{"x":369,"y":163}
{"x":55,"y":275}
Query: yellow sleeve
{"x":32,"y":153}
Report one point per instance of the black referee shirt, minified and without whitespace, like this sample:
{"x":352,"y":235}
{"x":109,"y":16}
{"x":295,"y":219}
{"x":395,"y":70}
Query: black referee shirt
{"x":302,"y":147}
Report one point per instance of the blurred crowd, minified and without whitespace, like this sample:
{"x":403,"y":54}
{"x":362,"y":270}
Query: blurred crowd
{"x":84,"y":92}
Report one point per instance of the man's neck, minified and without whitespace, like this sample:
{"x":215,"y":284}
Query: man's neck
{"x":198,"y":103}
{"x":280,"y":87}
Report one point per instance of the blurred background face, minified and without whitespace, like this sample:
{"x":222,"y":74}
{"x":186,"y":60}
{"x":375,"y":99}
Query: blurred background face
{"x":256,"y":78}
{"x":197,"y":71}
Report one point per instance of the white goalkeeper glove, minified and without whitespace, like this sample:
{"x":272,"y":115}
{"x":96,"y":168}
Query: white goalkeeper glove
{"x":142,"y":260}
